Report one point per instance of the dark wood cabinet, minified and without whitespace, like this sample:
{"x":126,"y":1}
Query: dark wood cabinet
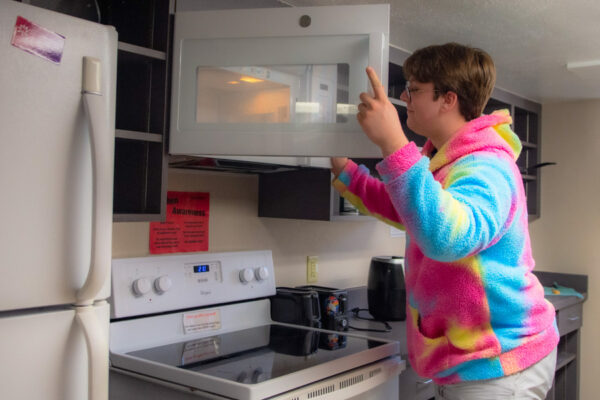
{"x":142,"y":109}
{"x":306,"y":193}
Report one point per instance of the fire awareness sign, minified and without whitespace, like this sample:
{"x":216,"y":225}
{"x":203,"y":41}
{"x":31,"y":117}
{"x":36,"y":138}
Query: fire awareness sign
{"x":186,"y":226}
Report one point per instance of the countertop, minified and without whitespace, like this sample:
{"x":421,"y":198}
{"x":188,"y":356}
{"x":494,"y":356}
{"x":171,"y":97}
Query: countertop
{"x":357,"y":297}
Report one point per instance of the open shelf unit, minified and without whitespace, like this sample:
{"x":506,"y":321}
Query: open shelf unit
{"x":143,"y":80}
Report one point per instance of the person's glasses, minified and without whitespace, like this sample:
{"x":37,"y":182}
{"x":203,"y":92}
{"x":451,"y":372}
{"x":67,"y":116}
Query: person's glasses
{"x":410,"y":91}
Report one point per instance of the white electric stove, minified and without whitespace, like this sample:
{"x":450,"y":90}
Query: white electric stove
{"x":198,"y":326}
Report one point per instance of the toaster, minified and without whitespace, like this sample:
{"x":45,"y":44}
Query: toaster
{"x":296,"y":306}
{"x":333,"y":306}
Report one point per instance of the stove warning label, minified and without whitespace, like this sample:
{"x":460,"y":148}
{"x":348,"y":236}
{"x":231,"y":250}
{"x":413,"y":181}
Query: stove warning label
{"x":199,"y":321}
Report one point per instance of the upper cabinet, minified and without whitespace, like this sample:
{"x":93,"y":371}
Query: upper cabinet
{"x":276,"y":81}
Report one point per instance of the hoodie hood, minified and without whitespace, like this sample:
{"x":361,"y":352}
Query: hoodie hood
{"x":488,"y":132}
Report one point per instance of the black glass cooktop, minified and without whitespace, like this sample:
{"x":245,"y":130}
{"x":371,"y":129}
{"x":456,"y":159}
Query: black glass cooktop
{"x":257,"y":354}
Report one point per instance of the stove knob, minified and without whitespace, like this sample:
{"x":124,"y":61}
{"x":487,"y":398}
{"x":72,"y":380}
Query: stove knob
{"x":261,"y":273}
{"x":141,"y":286}
{"x":246,"y":275}
{"x":162,"y":284}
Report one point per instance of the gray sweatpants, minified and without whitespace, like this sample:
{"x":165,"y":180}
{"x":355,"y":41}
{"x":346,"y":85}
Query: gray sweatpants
{"x":532,"y":383}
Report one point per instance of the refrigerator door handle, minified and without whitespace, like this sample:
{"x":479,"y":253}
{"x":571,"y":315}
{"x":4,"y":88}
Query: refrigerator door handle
{"x":97,"y":346}
{"x":102,"y":170}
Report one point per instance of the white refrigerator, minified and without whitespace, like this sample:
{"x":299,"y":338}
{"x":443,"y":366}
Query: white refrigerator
{"x":57,"y":112}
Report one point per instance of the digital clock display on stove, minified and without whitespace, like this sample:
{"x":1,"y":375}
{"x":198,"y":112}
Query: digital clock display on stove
{"x":201,"y":268}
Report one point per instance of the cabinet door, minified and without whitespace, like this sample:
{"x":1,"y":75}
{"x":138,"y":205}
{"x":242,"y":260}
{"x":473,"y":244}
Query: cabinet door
{"x":414,"y":387}
{"x":276,"y":82}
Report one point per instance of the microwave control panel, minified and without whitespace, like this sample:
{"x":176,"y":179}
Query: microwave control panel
{"x":150,"y":285}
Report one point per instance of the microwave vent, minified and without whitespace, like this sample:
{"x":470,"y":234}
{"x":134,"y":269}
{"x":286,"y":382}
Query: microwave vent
{"x":226,"y":165}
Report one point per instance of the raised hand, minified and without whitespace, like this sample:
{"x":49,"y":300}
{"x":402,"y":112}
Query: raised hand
{"x":379,"y":119}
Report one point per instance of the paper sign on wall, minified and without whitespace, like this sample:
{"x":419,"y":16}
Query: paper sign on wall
{"x":186,"y":226}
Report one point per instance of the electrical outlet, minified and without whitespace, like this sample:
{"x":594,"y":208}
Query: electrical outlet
{"x":312,"y":269}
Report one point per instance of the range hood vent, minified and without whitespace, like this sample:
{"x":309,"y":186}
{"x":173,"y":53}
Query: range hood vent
{"x":227,"y":165}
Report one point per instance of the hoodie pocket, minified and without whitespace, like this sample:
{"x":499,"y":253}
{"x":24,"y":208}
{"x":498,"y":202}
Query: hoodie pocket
{"x":429,"y":355}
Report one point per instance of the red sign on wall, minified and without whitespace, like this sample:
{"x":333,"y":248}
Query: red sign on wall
{"x":186,"y":226}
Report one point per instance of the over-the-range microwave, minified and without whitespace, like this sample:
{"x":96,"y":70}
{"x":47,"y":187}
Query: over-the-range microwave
{"x":275,"y":81}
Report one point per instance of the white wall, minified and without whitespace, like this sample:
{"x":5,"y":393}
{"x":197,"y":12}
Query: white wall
{"x":344,"y":248}
{"x":567,"y":236}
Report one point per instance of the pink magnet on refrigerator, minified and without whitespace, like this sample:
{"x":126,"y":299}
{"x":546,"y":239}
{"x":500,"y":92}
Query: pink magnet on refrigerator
{"x":37,"y":40}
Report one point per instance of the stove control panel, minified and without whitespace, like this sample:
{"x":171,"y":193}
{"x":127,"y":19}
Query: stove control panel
{"x":150,"y":285}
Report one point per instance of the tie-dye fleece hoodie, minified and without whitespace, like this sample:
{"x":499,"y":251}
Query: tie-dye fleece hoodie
{"x":474,"y":309}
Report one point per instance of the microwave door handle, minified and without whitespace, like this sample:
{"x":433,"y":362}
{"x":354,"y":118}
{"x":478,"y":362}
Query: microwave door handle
{"x":101,"y":149}
{"x":377,"y":46}
{"x":97,"y":354}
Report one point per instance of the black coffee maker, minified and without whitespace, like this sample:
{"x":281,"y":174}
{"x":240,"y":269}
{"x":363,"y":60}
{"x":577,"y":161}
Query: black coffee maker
{"x":386,"y":291}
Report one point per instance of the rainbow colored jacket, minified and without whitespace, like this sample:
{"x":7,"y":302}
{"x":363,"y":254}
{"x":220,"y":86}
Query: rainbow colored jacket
{"x":474,"y":309}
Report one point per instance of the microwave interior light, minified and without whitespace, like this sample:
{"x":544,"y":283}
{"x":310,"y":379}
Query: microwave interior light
{"x":303,"y":107}
{"x":583,"y":64}
{"x":346,"y":108}
{"x":250,"y":79}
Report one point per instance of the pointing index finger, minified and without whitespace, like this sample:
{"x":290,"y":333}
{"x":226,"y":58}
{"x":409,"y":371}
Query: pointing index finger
{"x":375,"y":83}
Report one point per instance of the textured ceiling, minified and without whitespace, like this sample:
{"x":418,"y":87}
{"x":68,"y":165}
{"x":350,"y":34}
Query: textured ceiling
{"x":531,"y":41}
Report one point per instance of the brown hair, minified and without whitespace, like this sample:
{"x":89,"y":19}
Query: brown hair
{"x":467,"y":71}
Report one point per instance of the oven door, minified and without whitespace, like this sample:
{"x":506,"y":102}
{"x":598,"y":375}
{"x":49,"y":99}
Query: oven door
{"x":275,"y":82}
{"x":271,"y":361}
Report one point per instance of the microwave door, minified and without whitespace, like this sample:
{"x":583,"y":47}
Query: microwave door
{"x":271,"y":88}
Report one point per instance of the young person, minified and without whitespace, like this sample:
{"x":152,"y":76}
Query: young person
{"x":477,"y":321}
